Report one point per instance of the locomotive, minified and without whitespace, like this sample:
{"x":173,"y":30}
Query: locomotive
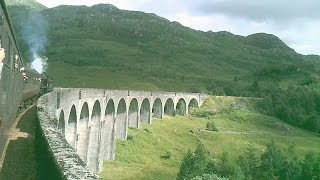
{"x":19,"y":86}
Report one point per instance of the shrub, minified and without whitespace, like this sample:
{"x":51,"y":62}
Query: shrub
{"x":310,"y":166}
{"x":167,"y":155}
{"x":211,"y":126}
{"x":195,"y":164}
{"x":229,"y":168}
{"x":147,"y":130}
{"x":204,"y":114}
{"x":249,"y":162}
{"x":130,"y":138}
{"x":209,"y":177}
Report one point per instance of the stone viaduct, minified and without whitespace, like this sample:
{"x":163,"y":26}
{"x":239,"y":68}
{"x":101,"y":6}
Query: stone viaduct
{"x":91,"y":120}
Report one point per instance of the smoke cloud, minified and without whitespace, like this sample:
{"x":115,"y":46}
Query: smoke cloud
{"x":35,"y":33}
{"x":39,"y":64}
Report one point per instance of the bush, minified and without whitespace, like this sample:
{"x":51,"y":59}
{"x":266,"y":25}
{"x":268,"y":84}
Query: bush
{"x":229,"y":168}
{"x":204,"y":114}
{"x":310,"y":166}
{"x":147,"y":130}
{"x":273,"y":163}
{"x":209,"y":177}
{"x":195,"y":164}
{"x":211,"y":126}
{"x":130,"y":138}
{"x":167,"y":155}
{"x":249,"y":162}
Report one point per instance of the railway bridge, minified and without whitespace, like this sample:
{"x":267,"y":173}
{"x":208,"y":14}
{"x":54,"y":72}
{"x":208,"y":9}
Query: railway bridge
{"x":82,"y":125}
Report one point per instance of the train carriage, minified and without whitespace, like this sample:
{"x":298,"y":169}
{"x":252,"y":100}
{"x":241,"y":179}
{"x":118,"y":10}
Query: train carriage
{"x":18,"y":85}
{"x":11,"y":81}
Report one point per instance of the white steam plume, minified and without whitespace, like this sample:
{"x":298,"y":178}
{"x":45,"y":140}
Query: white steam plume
{"x":39,"y":64}
{"x":34,"y":29}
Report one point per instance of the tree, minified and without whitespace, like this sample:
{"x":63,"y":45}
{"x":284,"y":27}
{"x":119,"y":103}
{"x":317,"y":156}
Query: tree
{"x":195,"y":164}
{"x":291,"y":168}
{"x":271,"y":162}
{"x":249,"y":163}
{"x":209,"y":177}
{"x":310,"y":166}
{"x":255,"y":88}
{"x":211,"y":126}
{"x":229,"y":168}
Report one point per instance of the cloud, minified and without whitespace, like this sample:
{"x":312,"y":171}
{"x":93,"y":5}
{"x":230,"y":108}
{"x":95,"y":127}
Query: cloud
{"x":295,"y":22}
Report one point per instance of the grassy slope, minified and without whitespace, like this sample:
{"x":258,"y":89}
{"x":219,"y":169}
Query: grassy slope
{"x":140,"y":157}
{"x":105,"y":77}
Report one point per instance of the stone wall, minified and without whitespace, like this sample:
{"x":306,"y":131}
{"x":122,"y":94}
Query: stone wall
{"x":66,"y":159}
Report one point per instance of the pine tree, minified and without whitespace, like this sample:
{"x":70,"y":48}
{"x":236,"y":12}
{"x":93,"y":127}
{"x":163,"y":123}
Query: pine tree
{"x":249,"y":162}
{"x":271,"y":162}
{"x":229,"y":168}
{"x":194,"y":164}
{"x":310,"y":166}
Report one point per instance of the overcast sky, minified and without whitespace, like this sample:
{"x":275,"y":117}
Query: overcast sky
{"x":296,"y":22}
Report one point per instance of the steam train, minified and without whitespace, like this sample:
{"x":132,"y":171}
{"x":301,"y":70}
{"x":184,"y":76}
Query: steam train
{"x":19,"y":86}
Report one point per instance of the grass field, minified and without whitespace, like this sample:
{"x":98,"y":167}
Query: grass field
{"x":155,"y":151}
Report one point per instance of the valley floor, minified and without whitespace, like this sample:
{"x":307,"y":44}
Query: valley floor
{"x":155,"y":151}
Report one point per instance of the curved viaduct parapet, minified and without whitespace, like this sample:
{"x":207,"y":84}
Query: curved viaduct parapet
{"x":82,"y":125}
{"x":66,"y":159}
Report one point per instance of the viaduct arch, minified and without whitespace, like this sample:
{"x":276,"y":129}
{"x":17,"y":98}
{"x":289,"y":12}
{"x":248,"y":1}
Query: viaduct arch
{"x":91,"y":120}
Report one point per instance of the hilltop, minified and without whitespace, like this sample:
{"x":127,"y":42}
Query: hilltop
{"x":34,"y":5}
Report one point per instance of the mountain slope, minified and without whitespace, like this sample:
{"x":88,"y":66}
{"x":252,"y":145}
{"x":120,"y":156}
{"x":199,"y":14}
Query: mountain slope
{"x":266,"y":41}
{"x":117,"y":45}
{"x":28,"y":3}
{"x":103,"y":35}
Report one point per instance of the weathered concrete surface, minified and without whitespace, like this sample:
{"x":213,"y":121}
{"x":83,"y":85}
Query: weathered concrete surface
{"x":92,"y":119}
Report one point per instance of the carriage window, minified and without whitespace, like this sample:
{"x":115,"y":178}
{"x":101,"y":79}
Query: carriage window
{"x":16,"y":62}
{"x":2,"y":52}
{"x":8,"y":55}
{"x":1,"y":19}
{"x":2,"y":55}
{"x":1,"y":64}
{"x":9,"y":52}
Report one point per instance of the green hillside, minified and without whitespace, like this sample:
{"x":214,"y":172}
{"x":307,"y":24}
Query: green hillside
{"x":152,"y":153}
{"x":141,"y":45}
